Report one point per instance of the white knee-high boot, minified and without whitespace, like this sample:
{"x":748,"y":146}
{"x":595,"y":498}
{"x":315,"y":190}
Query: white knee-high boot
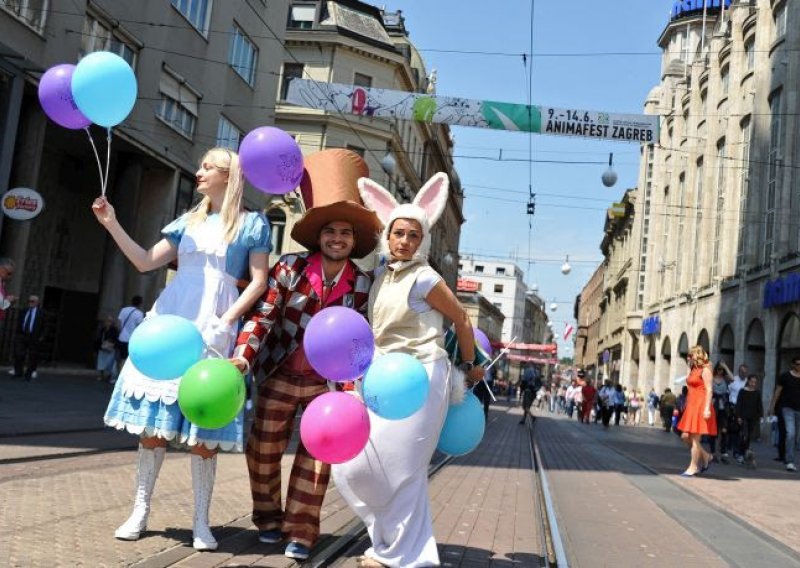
{"x":149,"y":464}
{"x":203,"y":474}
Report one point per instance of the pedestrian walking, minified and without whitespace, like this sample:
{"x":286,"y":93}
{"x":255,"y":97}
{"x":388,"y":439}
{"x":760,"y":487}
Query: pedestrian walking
{"x":28,"y":340}
{"x":618,"y":397}
{"x":106,"y":347}
{"x":386,"y":484}
{"x":635,"y":412}
{"x":749,"y":411}
{"x":588,"y":394}
{"x":787,"y":390}
{"x":216,"y":244}
{"x":652,"y":406}
{"x":606,"y":402}
{"x":720,"y":401}
{"x":666,"y":406}
{"x":698,"y":417}
{"x":735,"y":385}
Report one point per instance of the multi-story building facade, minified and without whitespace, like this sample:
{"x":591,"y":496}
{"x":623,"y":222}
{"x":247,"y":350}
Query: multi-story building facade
{"x":722,"y":252}
{"x":205,"y":71}
{"x":619,"y":323}
{"x":482,"y":313}
{"x":501,"y":282}
{"x":587,"y":316}
{"x":354,"y":43}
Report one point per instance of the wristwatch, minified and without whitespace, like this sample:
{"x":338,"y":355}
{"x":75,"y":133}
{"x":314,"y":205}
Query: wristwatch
{"x":466,"y":366}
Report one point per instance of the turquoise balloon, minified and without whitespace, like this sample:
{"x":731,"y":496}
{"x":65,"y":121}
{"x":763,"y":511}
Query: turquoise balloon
{"x":396,"y":386}
{"x":211,"y":393}
{"x":164,"y":347}
{"x":104,"y":88}
{"x":463,"y":428}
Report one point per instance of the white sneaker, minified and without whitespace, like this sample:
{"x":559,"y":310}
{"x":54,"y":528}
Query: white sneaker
{"x":790,"y":467}
{"x":11,"y":372}
{"x":34,"y":374}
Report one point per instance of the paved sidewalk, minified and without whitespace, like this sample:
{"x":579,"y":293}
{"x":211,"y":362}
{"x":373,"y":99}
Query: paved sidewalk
{"x":619,"y":488}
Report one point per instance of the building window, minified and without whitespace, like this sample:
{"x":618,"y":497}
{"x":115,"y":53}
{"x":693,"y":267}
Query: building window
{"x":178,"y":104}
{"x":725,"y":79}
{"x":277,"y":225}
{"x":301,"y":16}
{"x":780,"y":21}
{"x":244,"y":56}
{"x":356,"y":149}
{"x":718,"y":221}
{"x":750,"y":54}
{"x":101,"y":36}
{"x":186,"y":194}
{"x":743,"y":191}
{"x":197,"y":12}
{"x":228,"y":136}
{"x":500,"y":271}
{"x":498,"y":288}
{"x":290,"y":71}
{"x":773,"y":165}
{"x":698,"y":218}
{"x":30,"y":12}
{"x":361,"y":80}
{"x":478,"y":268}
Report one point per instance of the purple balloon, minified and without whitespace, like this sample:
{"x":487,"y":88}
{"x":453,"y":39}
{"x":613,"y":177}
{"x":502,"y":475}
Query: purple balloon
{"x":483,"y":340}
{"x":55,"y":96}
{"x":271,"y":160}
{"x":339,"y":344}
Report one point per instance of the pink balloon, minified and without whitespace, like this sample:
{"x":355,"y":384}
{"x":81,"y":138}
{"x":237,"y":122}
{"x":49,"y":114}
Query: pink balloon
{"x":335,"y":427}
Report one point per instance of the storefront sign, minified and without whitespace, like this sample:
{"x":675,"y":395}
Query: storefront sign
{"x":464,"y":285}
{"x":687,"y":7}
{"x":651,"y":325}
{"x":22,"y":204}
{"x":782,"y":291}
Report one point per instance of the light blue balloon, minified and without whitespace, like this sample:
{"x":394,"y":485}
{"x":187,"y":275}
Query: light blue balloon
{"x":104,"y":88}
{"x":164,"y":347}
{"x":396,"y":386}
{"x":463,"y":428}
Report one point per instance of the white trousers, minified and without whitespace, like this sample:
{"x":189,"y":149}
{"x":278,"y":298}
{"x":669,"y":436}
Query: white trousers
{"x":387,"y":483}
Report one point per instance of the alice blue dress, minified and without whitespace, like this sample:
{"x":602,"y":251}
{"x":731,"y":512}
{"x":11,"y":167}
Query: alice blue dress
{"x":202,"y":290}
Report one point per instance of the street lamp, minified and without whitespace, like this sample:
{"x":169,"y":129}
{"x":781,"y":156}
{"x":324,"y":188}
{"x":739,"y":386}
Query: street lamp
{"x":609,"y":177}
{"x":566,"y":268}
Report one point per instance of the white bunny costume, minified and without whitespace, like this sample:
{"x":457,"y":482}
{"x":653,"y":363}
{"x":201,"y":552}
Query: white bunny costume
{"x":387,"y":483}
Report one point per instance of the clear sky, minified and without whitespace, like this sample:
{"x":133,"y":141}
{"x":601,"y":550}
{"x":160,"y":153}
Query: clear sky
{"x":568,"y":71}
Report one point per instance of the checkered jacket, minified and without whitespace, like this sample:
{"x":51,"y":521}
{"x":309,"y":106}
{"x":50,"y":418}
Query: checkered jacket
{"x":276,"y":325}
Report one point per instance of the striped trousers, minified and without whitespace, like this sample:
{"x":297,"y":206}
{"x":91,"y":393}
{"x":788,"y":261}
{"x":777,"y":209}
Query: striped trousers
{"x":278,"y":399}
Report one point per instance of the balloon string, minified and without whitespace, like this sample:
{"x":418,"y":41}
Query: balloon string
{"x":215,"y":352}
{"x":108,"y":160}
{"x":97,"y":159}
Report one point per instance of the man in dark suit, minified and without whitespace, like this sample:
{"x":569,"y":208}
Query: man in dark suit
{"x":30,"y":329}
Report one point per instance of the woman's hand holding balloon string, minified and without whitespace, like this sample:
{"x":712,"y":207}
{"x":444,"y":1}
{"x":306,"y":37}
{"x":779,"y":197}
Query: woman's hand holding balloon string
{"x":104,"y":211}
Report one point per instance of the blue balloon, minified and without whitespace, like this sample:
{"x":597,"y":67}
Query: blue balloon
{"x":463,"y":428}
{"x":396,"y":386}
{"x":164,"y":347}
{"x":104,"y":88}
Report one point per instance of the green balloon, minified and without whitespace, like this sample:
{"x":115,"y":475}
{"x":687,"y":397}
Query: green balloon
{"x":211,"y":393}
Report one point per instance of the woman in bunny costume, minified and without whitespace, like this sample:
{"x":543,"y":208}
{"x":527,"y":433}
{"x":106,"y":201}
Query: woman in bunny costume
{"x":387,"y":483}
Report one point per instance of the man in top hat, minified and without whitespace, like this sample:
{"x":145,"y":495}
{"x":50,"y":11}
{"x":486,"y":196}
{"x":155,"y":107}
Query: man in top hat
{"x":334,"y":228}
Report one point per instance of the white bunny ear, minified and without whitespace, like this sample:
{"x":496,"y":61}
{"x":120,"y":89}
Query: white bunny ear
{"x":377,"y":198}
{"x":432,"y":198}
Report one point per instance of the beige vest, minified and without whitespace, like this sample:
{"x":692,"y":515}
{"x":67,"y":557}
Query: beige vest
{"x":398,"y":328}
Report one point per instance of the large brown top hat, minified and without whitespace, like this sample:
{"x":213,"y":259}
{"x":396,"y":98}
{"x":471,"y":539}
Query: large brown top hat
{"x":330,"y":193}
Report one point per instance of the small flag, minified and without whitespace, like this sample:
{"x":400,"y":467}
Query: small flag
{"x":568,"y":329}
